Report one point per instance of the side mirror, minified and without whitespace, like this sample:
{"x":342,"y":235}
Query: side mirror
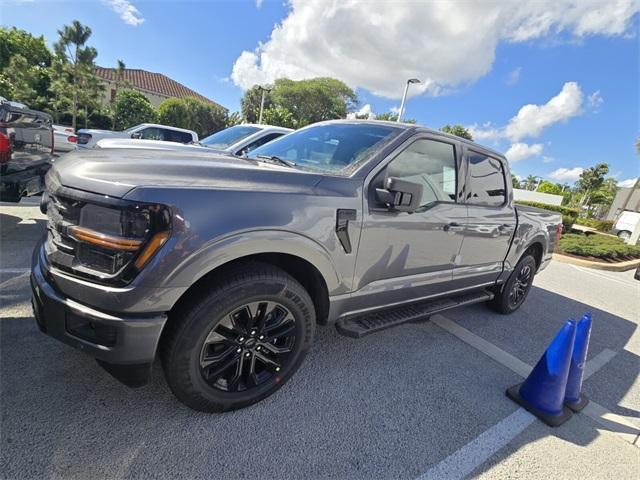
{"x":400,"y":195}
{"x":136,"y":135}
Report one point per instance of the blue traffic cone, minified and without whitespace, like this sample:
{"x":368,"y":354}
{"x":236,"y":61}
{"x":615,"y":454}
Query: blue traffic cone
{"x":573,"y":398}
{"x":542,"y":393}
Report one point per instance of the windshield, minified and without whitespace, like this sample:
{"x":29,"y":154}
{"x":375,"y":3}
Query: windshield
{"x":329,"y":147}
{"x":227,"y":137}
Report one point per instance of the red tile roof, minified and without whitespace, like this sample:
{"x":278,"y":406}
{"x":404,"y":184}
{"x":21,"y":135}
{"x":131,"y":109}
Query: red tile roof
{"x":152,"y":82}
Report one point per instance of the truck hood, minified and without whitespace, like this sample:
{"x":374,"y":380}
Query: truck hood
{"x":115,"y":172}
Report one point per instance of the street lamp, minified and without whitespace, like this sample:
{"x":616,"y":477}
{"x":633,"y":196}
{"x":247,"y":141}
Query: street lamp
{"x":404,"y":97}
{"x":262,"y":101}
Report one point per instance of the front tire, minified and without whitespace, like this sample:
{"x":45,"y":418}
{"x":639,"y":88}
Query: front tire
{"x":241,"y":341}
{"x":515,"y":291}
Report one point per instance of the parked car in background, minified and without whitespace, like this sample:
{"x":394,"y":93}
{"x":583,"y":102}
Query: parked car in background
{"x":237,"y":140}
{"x":625,"y":224}
{"x":65,"y":138}
{"x":87,"y":138}
{"x":26,"y":150}
{"x":223,"y":265}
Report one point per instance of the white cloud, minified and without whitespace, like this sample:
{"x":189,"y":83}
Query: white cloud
{"x":514,"y":76}
{"x":364,"y":112}
{"x":532,"y":119}
{"x":566,"y":174}
{"x":520,"y":151}
{"x":595,"y":100}
{"x":395,"y":110}
{"x":127,"y":11}
{"x":378,"y":45}
{"x":259,"y":3}
{"x":628,"y":183}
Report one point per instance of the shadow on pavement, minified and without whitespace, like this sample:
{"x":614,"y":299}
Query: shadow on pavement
{"x":388,"y":406}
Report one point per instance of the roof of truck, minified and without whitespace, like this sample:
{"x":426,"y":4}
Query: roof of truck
{"x":420,"y":128}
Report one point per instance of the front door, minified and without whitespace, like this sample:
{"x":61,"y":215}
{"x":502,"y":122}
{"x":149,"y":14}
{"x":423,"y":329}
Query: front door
{"x":405,"y":256}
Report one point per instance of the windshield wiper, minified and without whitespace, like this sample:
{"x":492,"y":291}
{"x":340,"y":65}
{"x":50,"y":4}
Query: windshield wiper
{"x":276,"y":159}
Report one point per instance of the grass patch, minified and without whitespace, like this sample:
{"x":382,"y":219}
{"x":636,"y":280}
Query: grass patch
{"x":599,"y":247}
{"x":601,"y":225}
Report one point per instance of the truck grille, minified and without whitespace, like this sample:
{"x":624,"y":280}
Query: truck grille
{"x":62,"y":212}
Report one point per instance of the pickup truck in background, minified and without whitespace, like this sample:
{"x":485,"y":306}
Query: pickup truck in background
{"x":26,"y":150}
{"x":222,"y":265}
{"x":88,"y":137}
{"x":237,"y":140}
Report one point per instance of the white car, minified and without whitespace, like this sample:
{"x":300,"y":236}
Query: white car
{"x":64,"y":138}
{"x":626,"y":223}
{"x":237,"y":140}
{"x":88,"y":138}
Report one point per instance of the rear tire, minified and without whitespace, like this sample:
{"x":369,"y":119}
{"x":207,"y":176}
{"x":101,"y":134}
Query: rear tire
{"x":624,"y":235}
{"x":239,"y":342}
{"x":515,"y":290}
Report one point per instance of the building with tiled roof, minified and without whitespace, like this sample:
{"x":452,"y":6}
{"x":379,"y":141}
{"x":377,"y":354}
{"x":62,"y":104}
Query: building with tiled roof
{"x":155,"y":86}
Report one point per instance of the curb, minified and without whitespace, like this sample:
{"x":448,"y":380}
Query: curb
{"x":611,"y":267}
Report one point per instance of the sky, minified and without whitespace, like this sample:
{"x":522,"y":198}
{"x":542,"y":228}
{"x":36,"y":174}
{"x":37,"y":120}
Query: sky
{"x":553,"y":84}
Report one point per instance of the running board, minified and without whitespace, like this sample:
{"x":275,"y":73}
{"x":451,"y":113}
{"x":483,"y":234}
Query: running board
{"x":358,"y":326}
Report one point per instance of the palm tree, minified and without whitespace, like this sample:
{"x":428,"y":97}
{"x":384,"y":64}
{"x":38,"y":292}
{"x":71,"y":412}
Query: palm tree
{"x":119,"y":81}
{"x":531,"y":182}
{"x":70,"y":49}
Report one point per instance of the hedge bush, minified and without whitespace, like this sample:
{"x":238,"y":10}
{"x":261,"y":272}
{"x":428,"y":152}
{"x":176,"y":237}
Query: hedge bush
{"x":569,"y":215}
{"x":598,"y":246}
{"x":601,"y":225}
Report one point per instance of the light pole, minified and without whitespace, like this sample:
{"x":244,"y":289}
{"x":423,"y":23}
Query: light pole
{"x":404,"y":97}
{"x":262,"y":101}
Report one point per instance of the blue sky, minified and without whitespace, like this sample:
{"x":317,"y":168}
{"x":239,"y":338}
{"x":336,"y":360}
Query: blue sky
{"x":555,"y":85}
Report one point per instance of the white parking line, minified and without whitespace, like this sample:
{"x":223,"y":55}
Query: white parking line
{"x":14,"y":270}
{"x":13,"y":281}
{"x":601,"y":274}
{"x":475,"y":453}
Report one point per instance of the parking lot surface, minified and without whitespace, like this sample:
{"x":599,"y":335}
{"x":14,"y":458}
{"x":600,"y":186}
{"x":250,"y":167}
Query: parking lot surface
{"x":424,"y":400}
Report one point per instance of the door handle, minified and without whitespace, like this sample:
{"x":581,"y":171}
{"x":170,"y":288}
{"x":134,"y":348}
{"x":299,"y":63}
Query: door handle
{"x":453,"y":227}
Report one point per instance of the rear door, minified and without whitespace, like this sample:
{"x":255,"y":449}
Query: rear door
{"x":490,"y":224}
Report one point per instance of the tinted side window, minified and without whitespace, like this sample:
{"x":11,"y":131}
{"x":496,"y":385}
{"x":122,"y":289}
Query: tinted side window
{"x":259,"y":142}
{"x":151,"y":133}
{"x":486,"y":180}
{"x":431,"y":164}
{"x":175,"y":136}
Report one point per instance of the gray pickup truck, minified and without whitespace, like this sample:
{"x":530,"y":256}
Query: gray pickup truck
{"x":222,"y":266}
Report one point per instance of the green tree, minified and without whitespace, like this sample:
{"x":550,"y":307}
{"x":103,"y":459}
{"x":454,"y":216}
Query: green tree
{"x":591,"y":179}
{"x":548,"y":187}
{"x":309,"y":101}
{"x":279,"y":117}
{"x":392,"y":117}
{"x":531,"y":182}
{"x":457,"y":130}
{"x":75,"y":67}
{"x":250,"y":103}
{"x":193,"y":114}
{"x":515,"y":183}
{"x":24,"y":68}
{"x":119,"y":83}
{"x":173,"y":111}
{"x":133,"y":108}
{"x":234,"y":118}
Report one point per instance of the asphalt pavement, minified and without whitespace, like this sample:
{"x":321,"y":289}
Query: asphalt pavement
{"x":423,"y":400}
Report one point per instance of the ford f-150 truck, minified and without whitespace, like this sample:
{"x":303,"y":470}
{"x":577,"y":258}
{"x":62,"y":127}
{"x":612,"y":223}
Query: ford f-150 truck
{"x":222,"y":266}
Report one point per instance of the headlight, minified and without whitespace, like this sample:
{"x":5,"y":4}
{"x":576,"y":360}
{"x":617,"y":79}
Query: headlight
{"x":117,"y":242}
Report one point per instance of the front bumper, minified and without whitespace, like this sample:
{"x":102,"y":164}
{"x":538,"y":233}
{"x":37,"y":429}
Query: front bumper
{"x":124,"y":345}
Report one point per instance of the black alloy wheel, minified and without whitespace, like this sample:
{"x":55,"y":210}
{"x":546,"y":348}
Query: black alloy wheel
{"x":248,"y":347}
{"x":521,"y":285}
